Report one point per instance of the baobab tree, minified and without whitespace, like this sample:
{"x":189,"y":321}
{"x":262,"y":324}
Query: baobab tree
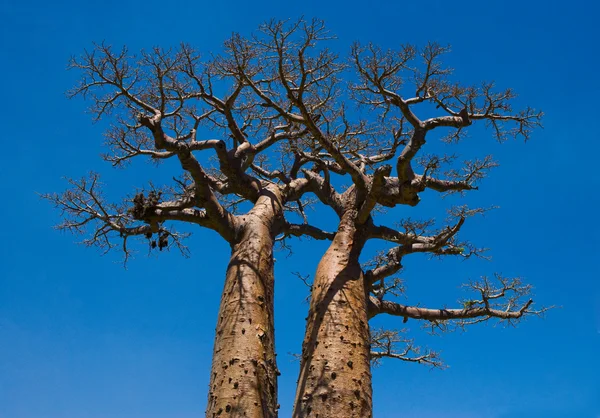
{"x":158,"y":104}
{"x":395,"y":88}
{"x":281,"y":108}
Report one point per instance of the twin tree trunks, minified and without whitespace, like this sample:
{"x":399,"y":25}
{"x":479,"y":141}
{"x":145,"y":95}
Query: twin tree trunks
{"x":335,"y":376}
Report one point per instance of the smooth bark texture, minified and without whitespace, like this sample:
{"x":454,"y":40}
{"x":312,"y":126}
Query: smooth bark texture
{"x":244,"y":373}
{"x":335,"y":376}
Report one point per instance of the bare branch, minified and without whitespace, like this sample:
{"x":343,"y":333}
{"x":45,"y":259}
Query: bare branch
{"x":299,"y":230}
{"x":443,"y":243}
{"x":384,"y":345}
{"x":508,"y":302}
{"x":85,"y":211}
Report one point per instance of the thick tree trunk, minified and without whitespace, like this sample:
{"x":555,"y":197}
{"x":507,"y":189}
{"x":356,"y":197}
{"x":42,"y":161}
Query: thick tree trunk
{"x":335,"y":376}
{"x":244,"y":373}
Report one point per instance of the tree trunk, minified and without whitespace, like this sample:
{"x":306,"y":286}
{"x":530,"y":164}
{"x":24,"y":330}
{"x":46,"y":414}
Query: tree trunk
{"x":335,"y":375}
{"x":244,"y":373}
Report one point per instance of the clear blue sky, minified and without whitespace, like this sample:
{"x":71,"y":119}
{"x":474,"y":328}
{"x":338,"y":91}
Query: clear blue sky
{"x":80,"y":337}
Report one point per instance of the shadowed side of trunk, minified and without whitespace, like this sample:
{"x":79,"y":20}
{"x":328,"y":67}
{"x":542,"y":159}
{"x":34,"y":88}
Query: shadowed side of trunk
{"x":244,"y":373}
{"x":335,"y":376}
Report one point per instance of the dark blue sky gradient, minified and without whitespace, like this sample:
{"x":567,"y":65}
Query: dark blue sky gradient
{"x":80,"y":337}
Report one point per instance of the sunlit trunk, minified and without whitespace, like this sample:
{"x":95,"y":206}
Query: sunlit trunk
{"x":243,"y":380}
{"x":335,"y":376}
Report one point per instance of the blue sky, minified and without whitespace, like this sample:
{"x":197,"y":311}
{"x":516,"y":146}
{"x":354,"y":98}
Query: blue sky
{"x":80,"y":337}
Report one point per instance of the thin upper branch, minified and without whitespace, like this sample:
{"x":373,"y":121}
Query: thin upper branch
{"x":384,"y":344}
{"x":442,"y":243}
